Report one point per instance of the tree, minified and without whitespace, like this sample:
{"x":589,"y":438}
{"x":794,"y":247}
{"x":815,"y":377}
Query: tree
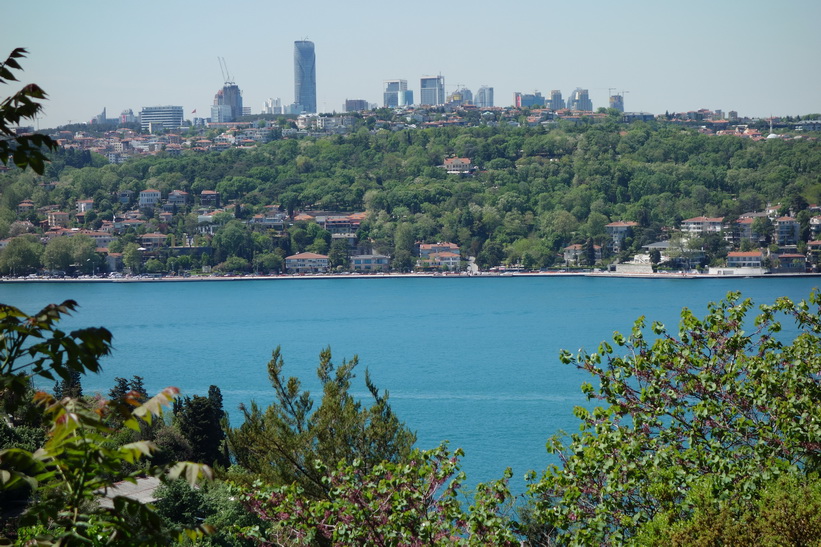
{"x":282,"y":444}
{"x":268,"y":262}
{"x":21,"y":255}
{"x":132,"y":257}
{"x":200,"y":421}
{"x":339,"y":253}
{"x":718,"y":405}
{"x":415,"y":503}
{"x":76,"y":462}
{"x":24,"y":150}
{"x":763,"y":228}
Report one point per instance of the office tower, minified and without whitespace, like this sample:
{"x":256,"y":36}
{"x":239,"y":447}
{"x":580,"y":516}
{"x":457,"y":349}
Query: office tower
{"x":580,"y":100}
{"x":272,"y":106}
{"x":484,"y":97}
{"x":617,"y":102}
{"x":396,"y":94}
{"x":461,"y":96}
{"x":528,"y":100}
{"x":127,"y":116}
{"x":158,"y":118}
{"x":227,"y":104}
{"x":556,"y":101}
{"x":432,"y":91}
{"x":356,"y":105}
{"x":305,"y":75}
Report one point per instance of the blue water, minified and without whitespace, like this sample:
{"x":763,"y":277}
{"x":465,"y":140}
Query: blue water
{"x":468,"y":360}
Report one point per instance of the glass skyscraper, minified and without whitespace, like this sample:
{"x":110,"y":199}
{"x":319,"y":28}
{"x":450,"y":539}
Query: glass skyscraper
{"x":432,"y":90}
{"x":305,"y":75}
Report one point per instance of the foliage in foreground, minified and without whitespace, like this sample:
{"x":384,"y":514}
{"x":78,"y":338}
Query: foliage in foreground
{"x":414,"y":503}
{"x":76,"y":464}
{"x":719,"y":407}
{"x":282,"y":444}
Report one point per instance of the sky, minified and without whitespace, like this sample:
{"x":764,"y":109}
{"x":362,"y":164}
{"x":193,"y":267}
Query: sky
{"x":759,"y":58}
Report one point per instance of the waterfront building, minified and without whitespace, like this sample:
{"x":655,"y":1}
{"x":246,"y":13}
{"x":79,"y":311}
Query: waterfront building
{"x":305,"y":75}
{"x":159,"y":118}
{"x":432,"y":92}
{"x":484,"y":97}
{"x":370,"y":263}
{"x":306,"y":263}
{"x":618,"y":231}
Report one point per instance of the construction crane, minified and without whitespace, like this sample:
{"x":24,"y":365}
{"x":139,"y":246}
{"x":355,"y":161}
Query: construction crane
{"x":226,"y":76}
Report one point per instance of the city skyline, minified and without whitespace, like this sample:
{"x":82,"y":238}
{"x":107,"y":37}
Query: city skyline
{"x":752,"y":57}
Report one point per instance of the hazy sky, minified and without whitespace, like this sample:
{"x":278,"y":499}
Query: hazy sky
{"x":757,"y":57}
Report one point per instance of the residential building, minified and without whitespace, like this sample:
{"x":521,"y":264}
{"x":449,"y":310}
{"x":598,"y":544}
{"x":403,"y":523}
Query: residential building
{"x":177,"y":198}
{"x":370,"y":263}
{"x":153,"y":241}
{"x":459,"y":97}
{"x":458,"y":165}
{"x":444,"y":260}
{"x":618,"y":231}
{"x":306,"y":263}
{"x":702,"y":225}
{"x":792,"y":263}
{"x":57,"y":219}
{"x":786,"y":231}
{"x":432,"y":92}
{"x":124,"y":196}
{"x":209,"y":198}
{"x":556,"y":101}
{"x":484,"y":97}
{"x":272,"y":106}
{"x":617,"y":102}
{"x":356,"y":105}
{"x":25,"y":207}
{"x":580,"y":100}
{"x":427,"y":249}
{"x":227,"y":104}
{"x":528,"y":100}
{"x":575,"y":254}
{"x":745,"y":259}
{"x":85,"y":205}
{"x":396,"y":94}
{"x":160,"y":118}
{"x":149,"y":197}
{"x":305,"y":75}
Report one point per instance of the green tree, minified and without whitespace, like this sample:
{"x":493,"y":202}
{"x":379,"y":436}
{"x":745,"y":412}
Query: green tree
{"x":24,"y":150}
{"x":726,"y":404}
{"x":282,"y":444}
{"x":339,"y":254}
{"x":132,"y":257}
{"x":21,"y":255}
{"x":76,"y":461}
{"x":200,"y":421}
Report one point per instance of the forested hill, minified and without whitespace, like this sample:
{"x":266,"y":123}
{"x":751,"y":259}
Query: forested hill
{"x":535,"y":190}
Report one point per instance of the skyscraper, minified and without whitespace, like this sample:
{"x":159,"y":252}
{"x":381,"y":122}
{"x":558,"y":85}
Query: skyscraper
{"x":617,"y":102}
{"x":556,"y":101}
{"x":305,"y":75}
{"x":432,"y":91}
{"x":227,"y":104}
{"x":484,"y":97}
{"x":580,"y":100}
{"x":396,"y":94}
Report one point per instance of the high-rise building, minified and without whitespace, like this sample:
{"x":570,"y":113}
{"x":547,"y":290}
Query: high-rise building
{"x":528,"y":100}
{"x":432,"y":91}
{"x":356,"y":105}
{"x":461,"y":96}
{"x":158,"y":118}
{"x":617,"y":102}
{"x":305,"y":75}
{"x":396,"y":94}
{"x":127,"y":116}
{"x":556,"y":101}
{"x":229,"y":97}
{"x":484,"y":97}
{"x":580,"y":100}
{"x":272,"y":106}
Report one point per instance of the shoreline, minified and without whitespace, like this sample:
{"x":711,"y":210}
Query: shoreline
{"x":203,"y":279}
